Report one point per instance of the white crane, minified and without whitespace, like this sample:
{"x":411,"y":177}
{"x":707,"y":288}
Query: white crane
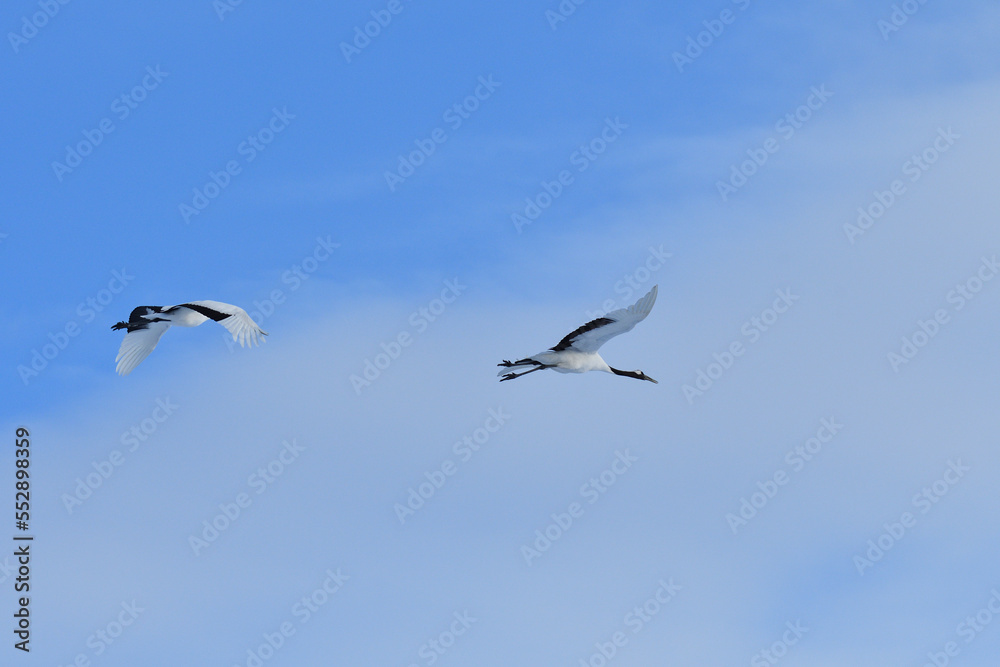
{"x":147,"y":324}
{"x":577,"y":352}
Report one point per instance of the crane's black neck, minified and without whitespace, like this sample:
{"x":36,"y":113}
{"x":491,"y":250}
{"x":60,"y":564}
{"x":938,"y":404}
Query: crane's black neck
{"x":629,"y":374}
{"x":638,"y":375}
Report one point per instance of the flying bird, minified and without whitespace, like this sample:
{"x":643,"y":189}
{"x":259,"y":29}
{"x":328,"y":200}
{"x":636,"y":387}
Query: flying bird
{"x":577,"y":352}
{"x":147,"y":323}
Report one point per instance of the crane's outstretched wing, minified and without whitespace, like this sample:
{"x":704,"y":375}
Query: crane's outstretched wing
{"x":137,"y":345}
{"x":592,"y":335}
{"x":235,"y":319}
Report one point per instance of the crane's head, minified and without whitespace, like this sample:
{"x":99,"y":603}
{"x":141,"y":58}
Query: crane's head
{"x":642,"y":376}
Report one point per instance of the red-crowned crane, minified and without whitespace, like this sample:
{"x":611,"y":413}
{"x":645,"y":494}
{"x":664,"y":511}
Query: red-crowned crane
{"x":147,"y":323}
{"x":577,"y":352}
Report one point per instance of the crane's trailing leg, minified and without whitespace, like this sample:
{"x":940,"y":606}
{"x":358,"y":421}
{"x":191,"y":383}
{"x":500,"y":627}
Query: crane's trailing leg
{"x":511,"y":376}
{"x":519,"y":362}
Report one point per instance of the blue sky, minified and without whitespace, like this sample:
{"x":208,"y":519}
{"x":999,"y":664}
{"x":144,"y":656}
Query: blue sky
{"x":829,"y":375}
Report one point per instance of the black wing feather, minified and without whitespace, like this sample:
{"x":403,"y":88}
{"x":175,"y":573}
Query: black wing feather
{"x":567,"y":342}
{"x":210,"y":313}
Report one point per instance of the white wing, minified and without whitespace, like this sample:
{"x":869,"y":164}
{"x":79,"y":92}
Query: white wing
{"x":592,"y":335}
{"x":239,"y":323}
{"x":137,"y":345}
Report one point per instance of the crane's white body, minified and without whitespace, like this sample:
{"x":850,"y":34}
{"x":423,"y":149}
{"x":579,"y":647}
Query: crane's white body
{"x":577,"y":352}
{"x":571,"y":361}
{"x":147,"y":324}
